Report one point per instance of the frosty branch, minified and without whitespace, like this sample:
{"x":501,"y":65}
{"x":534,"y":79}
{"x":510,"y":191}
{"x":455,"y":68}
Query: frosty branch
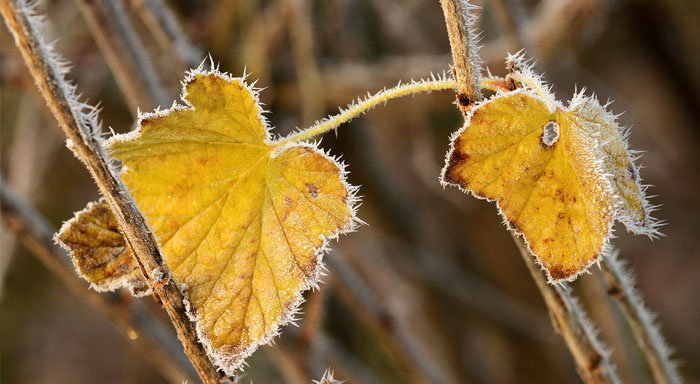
{"x":79,"y":123}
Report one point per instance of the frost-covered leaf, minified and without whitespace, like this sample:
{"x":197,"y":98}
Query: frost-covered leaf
{"x":242,"y":220}
{"x":99,"y":251}
{"x":560,"y":175}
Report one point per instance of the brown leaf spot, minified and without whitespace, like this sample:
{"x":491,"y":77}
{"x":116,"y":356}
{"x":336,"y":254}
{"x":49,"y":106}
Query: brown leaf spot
{"x":559,"y":272}
{"x":632,"y":171}
{"x":456,"y":159}
{"x":313,"y":189}
{"x":514,"y":226}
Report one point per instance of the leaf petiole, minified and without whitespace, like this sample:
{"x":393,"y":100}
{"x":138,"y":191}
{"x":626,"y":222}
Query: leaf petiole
{"x":362,"y":106}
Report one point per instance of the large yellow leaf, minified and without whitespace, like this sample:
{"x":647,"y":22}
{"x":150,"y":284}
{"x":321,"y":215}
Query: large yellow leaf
{"x":242,"y":221}
{"x":559,"y":175}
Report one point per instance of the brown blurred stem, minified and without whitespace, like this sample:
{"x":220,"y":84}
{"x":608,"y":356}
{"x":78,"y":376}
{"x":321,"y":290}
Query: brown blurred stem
{"x":145,"y":332}
{"x":309,"y":77}
{"x":358,"y":298}
{"x":87,"y":147}
{"x":620,"y":287}
{"x":165,"y":27}
{"x":461,"y":40}
{"x":568,"y":318}
{"x":124,"y":53}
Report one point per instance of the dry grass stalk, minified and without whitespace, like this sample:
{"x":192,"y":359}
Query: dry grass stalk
{"x":165,"y":27}
{"x":124,"y":53}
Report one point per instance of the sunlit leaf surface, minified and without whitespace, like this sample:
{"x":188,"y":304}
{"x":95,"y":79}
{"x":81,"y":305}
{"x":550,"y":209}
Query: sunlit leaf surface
{"x":242,"y":222}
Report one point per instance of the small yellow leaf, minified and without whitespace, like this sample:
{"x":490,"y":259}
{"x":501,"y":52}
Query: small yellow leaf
{"x":99,"y":251}
{"x":242,"y":221}
{"x":560,"y":176}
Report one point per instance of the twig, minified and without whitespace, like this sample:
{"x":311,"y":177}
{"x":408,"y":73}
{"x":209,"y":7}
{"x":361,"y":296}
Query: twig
{"x":124,"y":53}
{"x":264,"y":32}
{"x":510,"y":15}
{"x":145,"y":332}
{"x":313,"y":318}
{"x":28,"y":158}
{"x":492,"y":301}
{"x":463,"y":45}
{"x":340,"y":358}
{"x":589,"y":354}
{"x":163,"y":24}
{"x":289,"y":364}
{"x":352,"y":290}
{"x":79,"y":123}
{"x":557,"y":24}
{"x":641,"y":321}
{"x":309,"y":81}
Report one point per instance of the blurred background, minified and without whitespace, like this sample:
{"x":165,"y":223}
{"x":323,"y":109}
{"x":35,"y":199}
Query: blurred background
{"x":432,"y":288}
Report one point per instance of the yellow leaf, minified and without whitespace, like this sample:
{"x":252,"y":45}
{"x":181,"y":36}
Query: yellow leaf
{"x":99,"y":251}
{"x":242,"y":221}
{"x":560,"y":176}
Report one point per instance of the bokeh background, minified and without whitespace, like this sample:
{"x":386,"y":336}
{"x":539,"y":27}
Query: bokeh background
{"x":434,"y":276}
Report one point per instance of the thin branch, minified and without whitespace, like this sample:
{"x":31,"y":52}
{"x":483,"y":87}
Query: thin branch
{"x":124,"y":53}
{"x":262,"y":35}
{"x":79,"y":123}
{"x":362,"y":106}
{"x":29,"y":154}
{"x":313,"y":318}
{"x":463,"y":45}
{"x":560,"y":24}
{"x":309,"y":79}
{"x":641,"y":321}
{"x":358,"y":297}
{"x":164,"y":25}
{"x":589,"y":354}
{"x":341,"y":359}
{"x":510,"y":15}
{"x":289,"y":364}
{"x":142,"y":329}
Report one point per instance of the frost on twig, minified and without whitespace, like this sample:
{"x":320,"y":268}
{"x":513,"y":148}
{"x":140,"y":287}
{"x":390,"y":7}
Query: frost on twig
{"x":460,"y":20}
{"x":642,"y":322}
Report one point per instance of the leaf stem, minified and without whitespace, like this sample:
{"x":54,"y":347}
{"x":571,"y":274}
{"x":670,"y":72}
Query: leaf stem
{"x":362,"y":106}
{"x":79,"y":123}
